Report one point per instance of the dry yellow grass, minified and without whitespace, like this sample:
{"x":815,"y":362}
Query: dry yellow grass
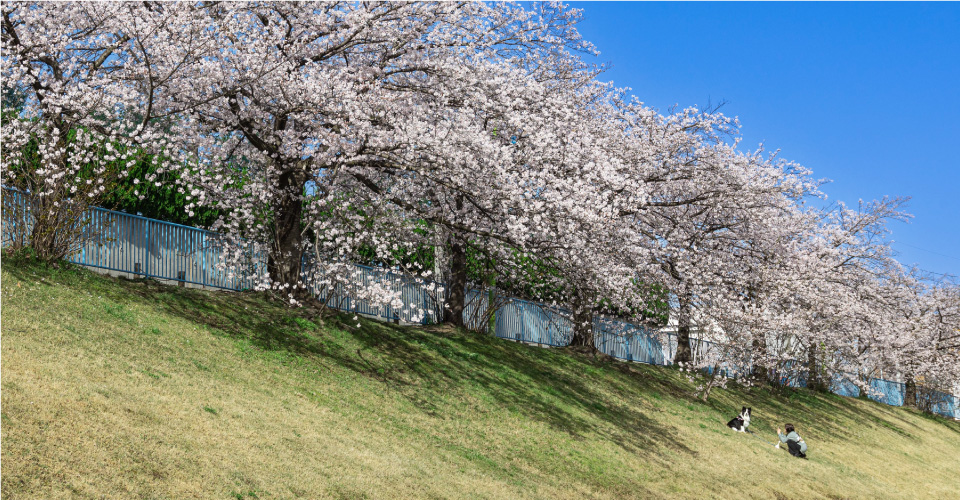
{"x":114,"y":389}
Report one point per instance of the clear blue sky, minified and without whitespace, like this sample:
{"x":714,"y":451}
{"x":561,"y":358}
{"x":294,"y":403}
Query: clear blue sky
{"x":864,"y":94}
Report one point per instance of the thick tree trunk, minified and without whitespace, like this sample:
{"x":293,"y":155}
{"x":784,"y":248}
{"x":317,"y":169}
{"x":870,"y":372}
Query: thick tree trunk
{"x":284,"y":261}
{"x":582,"y":323}
{"x":909,"y":392}
{"x":760,"y":369}
{"x":684,"y":352}
{"x":814,"y":380}
{"x":456,"y":299}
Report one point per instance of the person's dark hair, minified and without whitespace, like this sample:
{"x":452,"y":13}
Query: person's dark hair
{"x":789,"y":428}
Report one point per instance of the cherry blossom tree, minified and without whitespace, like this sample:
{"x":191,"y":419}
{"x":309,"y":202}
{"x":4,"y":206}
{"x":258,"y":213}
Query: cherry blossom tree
{"x":327,"y":134}
{"x":320,"y":115}
{"x":85,"y":76}
{"x":912,"y":335}
{"x":713,"y":219}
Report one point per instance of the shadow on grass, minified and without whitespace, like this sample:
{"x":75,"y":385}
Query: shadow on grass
{"x":541,"y":384}
{"x":819,"y":415}
{"x":575,"y":393}
{"x":426,"y":366}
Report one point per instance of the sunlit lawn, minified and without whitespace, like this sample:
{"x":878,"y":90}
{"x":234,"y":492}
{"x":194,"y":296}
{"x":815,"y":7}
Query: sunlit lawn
{"x":123,"y":389}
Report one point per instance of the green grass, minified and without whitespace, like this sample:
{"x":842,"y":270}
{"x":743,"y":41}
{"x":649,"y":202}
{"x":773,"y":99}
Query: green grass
{"x":130,"y":389}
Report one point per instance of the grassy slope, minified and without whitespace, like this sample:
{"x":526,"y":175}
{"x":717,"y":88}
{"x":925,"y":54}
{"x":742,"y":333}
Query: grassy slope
{"x":135,"y":390}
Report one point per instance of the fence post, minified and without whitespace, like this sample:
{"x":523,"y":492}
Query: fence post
{"x":423,"y":302}
{"x":550,"y":327}
{"x":146,"y":258}
{"x":523,"y":325}
{"x":203,"y":258}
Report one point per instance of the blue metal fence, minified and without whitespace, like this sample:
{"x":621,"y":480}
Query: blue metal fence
{"x":152,"y":248}
{"x":419,"y":298}
{"x":533,"y":323}
{"x":628,"y":341}
{"x":123,"y":242}
{"x":946,"y":404}
{"x":157,"y":249}
{"x":844,"y":387}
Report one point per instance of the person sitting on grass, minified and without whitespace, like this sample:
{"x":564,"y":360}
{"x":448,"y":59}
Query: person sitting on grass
{"x":795,"y":443}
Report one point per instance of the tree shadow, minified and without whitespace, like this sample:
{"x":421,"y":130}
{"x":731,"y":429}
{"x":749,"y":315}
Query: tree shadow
{"x":581,"y":395}
{"x":821,"y":415}
{"x":545,"y":385}
{"x":542,"y":384}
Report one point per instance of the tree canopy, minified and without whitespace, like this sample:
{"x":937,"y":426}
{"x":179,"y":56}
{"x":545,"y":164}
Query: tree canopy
{"x":471,"y":135}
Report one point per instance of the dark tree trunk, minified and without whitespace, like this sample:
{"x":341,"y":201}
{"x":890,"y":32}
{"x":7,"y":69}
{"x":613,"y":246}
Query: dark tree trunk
{"x":814,"y":380}
{"x":760,"y":369}
{"x":909,"y":392}
{"x":711,"y":384}
{"x":582,"y":323}
{"x":684,"y":352}
{"x":456,"y":299}
{"x":284,"y":261}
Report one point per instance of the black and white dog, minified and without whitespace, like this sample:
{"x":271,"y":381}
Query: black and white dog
{"x":741,"y":422}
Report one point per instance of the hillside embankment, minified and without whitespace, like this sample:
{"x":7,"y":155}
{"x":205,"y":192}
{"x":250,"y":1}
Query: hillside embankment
{"x":130,"y":389}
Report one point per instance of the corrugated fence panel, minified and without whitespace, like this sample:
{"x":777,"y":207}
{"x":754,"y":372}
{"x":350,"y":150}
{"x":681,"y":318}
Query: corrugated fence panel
{"x":508,"y":322}
{"x":476,"y":310}
{"x":627,"y":341}
{"x":15,"y":211}
{"x":891,"y":393}
{"x":544,"y":325}
{"x":844,"y":387}
{"x":532,"y":322}
{"x":946,"y":404}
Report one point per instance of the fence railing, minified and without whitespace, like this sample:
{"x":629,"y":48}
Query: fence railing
{"x":123,"y":242}
{"x":153,"y":248}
